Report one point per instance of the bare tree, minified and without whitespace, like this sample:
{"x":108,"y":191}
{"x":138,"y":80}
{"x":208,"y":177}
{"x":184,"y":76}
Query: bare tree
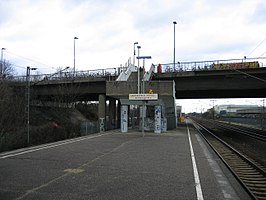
{"x":12,"y":117}
{"x":12,"y":108}
{"x":67,"y":94}
{"x":7,"y":69}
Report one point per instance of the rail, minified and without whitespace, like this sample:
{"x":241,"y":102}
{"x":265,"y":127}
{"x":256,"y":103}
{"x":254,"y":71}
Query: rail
{"x":257,"y":134}
{"x":249,"y":173}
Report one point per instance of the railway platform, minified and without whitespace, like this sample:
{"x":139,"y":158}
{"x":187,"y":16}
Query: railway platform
{"x":177,"y":164}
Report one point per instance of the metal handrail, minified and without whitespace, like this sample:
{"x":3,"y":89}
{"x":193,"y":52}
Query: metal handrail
{"x":166,"y":68}
{"x":206,"y":65}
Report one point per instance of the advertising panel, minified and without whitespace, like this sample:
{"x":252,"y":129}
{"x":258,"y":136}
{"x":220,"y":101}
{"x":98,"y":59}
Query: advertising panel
{"x":124,"y":118}
{"x":157,"y":119}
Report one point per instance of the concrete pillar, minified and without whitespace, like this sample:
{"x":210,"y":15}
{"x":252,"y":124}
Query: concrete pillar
{"x":157,"y":119}
{"x":124,"y":118}
{"x":170,"y":112}
{"x":128,"y":115}
{"x":119,"y":114}
{"x":112,"y":113}
{"x":101,"y":112}
{"x":142,"y":116}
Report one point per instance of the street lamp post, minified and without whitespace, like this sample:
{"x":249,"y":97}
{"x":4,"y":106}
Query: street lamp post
{"x":28,"y":96}
{"x":213,"y":109}
{"x":134,"y":55}
{"x":143,"y":58}
{"x":262,"y":115}
{"x":174,"y":43}
{"x":28,"y":102}
{"x":143,"y":91}
{"x":138,"y":71}
{"x":2,"y":65}
{"x":75,"y":38}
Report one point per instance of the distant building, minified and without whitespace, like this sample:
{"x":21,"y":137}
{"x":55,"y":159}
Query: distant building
{"x":178,"y":110}
{"x":234,"y":109}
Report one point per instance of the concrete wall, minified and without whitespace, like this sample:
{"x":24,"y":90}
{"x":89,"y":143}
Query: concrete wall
{"x":164,"y":89}
{"x":124,"y":88}
{"x":170,"y":112}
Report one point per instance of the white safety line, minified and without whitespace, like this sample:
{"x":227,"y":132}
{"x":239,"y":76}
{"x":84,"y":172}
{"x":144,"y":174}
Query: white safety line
{"x":50,"y":146}
{"x":195,"y":170}
{"x":226,"y":188}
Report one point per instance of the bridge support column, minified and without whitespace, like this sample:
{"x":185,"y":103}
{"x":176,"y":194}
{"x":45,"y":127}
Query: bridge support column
{"x":112,"y":113}
{"x":101,"y":112}
{"x":170,"y":112}
{"x":118,"y":123}
{"x":124,"y":118}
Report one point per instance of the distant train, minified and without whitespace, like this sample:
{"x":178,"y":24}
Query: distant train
{"x":236,"y":65}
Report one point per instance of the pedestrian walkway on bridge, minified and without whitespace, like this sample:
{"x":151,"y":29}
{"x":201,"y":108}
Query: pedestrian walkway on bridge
{"x":173,"y":165}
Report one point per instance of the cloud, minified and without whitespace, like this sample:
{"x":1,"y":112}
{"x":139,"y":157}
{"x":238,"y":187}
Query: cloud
{"x":7,"y":10}
{"x":259,"y":14}
{"x":206,"y":29}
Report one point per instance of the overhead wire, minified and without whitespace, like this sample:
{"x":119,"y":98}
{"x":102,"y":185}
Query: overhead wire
{"x":40,"y":63}
{"x":256,"y":47}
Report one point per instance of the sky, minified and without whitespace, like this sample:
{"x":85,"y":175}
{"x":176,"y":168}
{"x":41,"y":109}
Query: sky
{"x":40,"y":33}
{"x":202,"y":105}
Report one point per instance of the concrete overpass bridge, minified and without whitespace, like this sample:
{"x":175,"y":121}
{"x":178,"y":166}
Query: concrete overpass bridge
{"x":244,"y":83}
{"x":192,"y":80}
{"x":187,"y":80}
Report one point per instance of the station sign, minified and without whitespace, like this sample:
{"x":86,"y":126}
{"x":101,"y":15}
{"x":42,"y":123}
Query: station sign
{"x":143,"y":97}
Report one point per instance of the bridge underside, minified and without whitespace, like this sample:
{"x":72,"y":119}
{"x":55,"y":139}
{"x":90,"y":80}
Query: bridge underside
{"x":209,"y":94}
{"x":70,"y":91}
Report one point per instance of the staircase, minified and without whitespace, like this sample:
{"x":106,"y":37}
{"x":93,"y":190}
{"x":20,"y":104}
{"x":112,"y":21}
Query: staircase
{"x":125,"y":74}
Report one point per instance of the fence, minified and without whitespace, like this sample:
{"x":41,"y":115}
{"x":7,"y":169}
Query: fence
{"x":259,"y":123}
{"x":114,"y":72}
{"x":97,"y":73}
{"x":88,"y":127}
{"x":207,"y":65}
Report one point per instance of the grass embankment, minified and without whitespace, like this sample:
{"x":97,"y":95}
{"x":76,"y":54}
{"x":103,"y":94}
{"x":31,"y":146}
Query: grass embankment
{"x":47,"y":124}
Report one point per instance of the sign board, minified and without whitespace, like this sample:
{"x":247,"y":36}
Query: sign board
{"x":143,"y":97}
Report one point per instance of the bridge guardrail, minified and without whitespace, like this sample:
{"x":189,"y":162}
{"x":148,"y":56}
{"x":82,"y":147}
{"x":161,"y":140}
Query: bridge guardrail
{"x":114,"y":72}
{"x":206,"y":65}
{"x":70,"y":75}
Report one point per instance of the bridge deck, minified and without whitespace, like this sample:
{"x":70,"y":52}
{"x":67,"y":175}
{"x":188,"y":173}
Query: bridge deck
{"x":117,"y":166}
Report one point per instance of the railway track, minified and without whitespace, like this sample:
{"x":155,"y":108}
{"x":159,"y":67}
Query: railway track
{"x":242,"y":130}
{"x":250,"y":174}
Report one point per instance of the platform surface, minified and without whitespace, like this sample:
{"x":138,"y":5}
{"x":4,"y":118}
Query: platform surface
{"x":118,"y":165}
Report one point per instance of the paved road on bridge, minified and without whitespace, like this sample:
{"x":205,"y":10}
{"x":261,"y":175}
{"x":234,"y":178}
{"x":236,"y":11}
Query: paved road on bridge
{"x":113,"y":166}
